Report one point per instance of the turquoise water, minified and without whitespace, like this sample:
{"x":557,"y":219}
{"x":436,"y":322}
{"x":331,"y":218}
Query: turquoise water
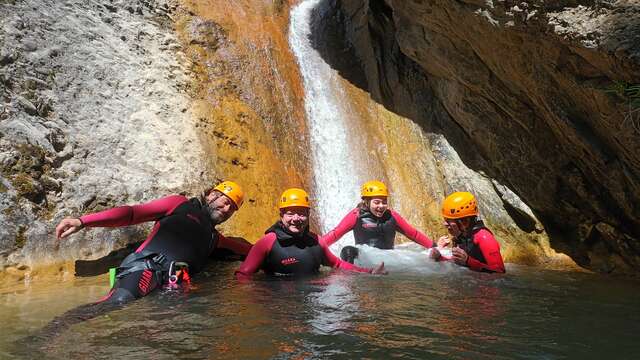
{"x":439,"y":312}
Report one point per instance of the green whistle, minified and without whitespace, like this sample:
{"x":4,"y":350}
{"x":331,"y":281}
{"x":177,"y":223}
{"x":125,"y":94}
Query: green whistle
{"x":112,"y":277}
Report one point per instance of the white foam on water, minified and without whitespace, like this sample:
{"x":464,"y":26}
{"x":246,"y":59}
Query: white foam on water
{"x":337,"y":179}
{"x":407,"y":257}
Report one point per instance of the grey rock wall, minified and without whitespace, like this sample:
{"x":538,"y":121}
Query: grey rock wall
{"x":94,"y":113}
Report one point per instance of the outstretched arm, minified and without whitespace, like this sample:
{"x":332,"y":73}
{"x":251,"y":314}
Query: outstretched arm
{"x":130,"y":215}
{"x":490,"y":250}
{"x":345,"y":225}
{"x":256,"y":257}
{"x":121,"y":216}
{"x":412,"y":233}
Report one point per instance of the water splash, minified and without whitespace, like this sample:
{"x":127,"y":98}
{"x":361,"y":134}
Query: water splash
{"x":333,"y":142}
{"x":336,"y":178}
{"x":405,"y":258}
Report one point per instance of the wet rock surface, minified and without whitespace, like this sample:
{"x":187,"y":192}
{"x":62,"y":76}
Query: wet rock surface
{"x":115,"y":102}
{"x":248,"y":102}
{"x":526,"y":93}
{"x":94,"y":113}
{"x":419,"y":164}
{"x":119,"y":102}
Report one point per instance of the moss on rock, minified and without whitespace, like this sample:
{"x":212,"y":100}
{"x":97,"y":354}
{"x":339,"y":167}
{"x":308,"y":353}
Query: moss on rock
{"x":27,"y":187}
{"x":21,"y":239}
{"x":25,"y":171}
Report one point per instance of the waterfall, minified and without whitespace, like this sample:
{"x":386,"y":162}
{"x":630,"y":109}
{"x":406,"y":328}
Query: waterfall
{"x":337,"y":180}
{"x":336,"y":144}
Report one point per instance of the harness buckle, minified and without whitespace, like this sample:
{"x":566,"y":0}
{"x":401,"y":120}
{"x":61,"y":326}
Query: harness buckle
{"x":178,"y":271}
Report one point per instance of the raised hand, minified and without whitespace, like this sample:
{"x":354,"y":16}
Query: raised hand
{"x":67,"y":227}
{"x":460,"y":256}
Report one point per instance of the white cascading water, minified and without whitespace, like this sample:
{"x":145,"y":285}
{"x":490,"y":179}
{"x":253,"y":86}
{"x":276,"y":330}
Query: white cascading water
{"x":336,"y":179}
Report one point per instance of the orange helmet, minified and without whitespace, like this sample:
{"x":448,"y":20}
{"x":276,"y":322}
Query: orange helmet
{"x":293,"y":197}
{"x":459,"y":205}
{"x":232,"y":190}
{"x":374,"y":188}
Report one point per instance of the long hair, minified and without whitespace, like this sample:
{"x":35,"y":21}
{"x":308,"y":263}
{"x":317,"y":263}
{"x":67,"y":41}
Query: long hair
{"x":364,"y":204}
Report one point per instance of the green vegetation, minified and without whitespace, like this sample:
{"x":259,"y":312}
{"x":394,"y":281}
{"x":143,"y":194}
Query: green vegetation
{"x":25,"y":186}
{"x":25,"y":170}
{"x":21,"y":239}
{"x":31,"y":160}
{"x":630,"y":94}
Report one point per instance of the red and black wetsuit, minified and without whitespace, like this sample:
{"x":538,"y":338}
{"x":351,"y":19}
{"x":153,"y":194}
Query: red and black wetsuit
{"x":183,"y":232}
{"x":282,"y":253}
{"x":379,"y":232}
{"x":482,"y":248}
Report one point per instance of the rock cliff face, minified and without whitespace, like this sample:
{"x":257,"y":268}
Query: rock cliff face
{"x":419,"y":164}
{"x":94,"y":114}
{"x":117,"y":102}
{"x":113,"y":102}
{"x":537,"y":95}
{"x":247,"y":101}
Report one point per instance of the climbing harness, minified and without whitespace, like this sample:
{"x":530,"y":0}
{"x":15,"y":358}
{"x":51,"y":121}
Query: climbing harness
{"x":140,"y":261}
{"x":178,"y":273}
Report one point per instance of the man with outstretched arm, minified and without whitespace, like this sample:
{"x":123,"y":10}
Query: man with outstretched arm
{"x":179,"y":245}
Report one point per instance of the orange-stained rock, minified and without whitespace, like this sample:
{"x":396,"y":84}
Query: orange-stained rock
{"x":248,"y":102}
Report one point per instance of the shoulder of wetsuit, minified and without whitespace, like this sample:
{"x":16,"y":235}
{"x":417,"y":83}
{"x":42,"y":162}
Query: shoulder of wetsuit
{"x":311,"y":238}
{"x":479,"y":225}
{"x":275,"y":228}
{"x":196,"y":202}
{"x":393,"y":213}
{"x":195,"y":206}
{"x":188,"y":205}
{"x":480,"y":234}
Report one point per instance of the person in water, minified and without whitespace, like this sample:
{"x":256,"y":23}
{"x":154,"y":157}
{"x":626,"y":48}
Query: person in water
{"x":289,"y":248}
{"x":474,"y":245}
{"x":373,"y":223}
{"x":182,"y":239}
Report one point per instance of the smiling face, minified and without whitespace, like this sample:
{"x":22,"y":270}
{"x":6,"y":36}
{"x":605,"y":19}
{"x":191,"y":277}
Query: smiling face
{"x":378,"y":205}
{"x":295,"y":219}
{"x":220,"y":207}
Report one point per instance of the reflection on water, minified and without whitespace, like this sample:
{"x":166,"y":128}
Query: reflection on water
{"x":428,"y":311}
